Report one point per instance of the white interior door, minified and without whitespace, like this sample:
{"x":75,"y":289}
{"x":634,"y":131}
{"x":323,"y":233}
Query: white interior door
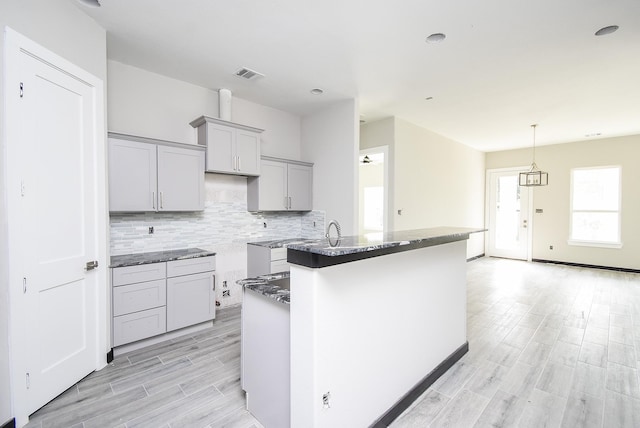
{"x":56,"y":222}
{"x":508,"y":212}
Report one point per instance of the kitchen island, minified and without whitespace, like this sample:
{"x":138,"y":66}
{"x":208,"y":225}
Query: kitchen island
{"x":373,"y":323}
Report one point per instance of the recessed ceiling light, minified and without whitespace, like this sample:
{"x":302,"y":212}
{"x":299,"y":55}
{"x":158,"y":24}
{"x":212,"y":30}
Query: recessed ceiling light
{"x":436,"y":38}
{"x":90,"y":3}
{"x":607,"y":30}
{"x":317,"y":91}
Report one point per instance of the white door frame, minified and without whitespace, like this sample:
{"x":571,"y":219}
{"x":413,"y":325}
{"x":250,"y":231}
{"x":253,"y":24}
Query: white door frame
{"x":15,"y":46}
{"x":387,"y":213}
{"x":487,"y":208}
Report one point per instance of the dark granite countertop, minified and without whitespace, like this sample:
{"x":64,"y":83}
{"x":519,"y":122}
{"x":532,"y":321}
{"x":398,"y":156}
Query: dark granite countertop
{"x":158,"y":257}
{"x":324,"y":252}
{"x":279,"y":243}
{"x":262,"y":285}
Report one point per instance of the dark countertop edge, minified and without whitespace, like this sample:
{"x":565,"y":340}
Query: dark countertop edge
{"x":137,"y":259}
{"x":278,"y":243}
{"x":315,"y":260}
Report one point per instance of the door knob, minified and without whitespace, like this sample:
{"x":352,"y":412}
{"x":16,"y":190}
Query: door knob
{"x":91,"y":265}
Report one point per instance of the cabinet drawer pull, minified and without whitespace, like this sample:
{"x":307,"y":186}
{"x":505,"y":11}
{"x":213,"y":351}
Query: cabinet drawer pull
{"x":153,"y":200}
{"x":161,"y":201}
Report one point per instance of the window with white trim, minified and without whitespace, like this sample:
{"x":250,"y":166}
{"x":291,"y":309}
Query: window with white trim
{"x":595,"y":206}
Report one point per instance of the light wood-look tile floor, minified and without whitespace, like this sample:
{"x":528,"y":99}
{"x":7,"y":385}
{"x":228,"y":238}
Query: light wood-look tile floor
{"x":191,"y":381}
{"x":550,"y":346}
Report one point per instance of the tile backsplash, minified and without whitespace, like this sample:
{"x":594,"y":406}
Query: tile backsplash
{"x":225,"y":226}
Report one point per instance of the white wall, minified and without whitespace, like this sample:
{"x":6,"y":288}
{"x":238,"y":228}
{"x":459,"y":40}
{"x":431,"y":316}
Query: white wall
{"x":366,"y":351}
{"x":150,"y":105}
{"x":330,"y":141}
{"x":552,"y":226}
{"x":62,"y":28}
{"x":435,"y":181}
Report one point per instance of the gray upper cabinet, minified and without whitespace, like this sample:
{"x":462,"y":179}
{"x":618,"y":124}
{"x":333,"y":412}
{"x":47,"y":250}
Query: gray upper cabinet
{"x":132,"y":176}
{"x":149,"y":175}
{"x":180,"y":179}
{"x":231,"y":148}
{"x":283,"y":185}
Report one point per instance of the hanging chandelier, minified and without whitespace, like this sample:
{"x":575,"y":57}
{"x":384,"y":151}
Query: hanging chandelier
{"x":533,"y":177}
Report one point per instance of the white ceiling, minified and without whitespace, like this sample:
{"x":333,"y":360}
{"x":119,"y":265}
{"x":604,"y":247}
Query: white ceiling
{"x":505,"y":64}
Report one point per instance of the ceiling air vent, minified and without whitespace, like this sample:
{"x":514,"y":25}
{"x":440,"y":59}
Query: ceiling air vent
{"x":247,"y":73}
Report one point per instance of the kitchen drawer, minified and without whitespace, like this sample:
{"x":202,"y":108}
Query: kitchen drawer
{"x":279,"y":266}
{"x":139,"y":325}
{"x":138,"y":273}
{"x":278,"y":253}
{"x":190,"y":266}
{"x":138,"y":297}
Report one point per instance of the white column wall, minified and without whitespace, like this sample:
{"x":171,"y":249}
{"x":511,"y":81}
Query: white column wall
{"x":330,"y":141}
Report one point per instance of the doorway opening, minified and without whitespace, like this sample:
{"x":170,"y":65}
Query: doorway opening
{"x":373,"y":192}
{"x":508,"y":215}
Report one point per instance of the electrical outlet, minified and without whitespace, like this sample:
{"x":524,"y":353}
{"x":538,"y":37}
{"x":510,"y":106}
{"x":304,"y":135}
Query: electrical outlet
{"x":325,"y":400}
{"x":264,"y":224}
{"x":551,"y":247}
{"x":226,"y":293}
{"x":151,"y":230}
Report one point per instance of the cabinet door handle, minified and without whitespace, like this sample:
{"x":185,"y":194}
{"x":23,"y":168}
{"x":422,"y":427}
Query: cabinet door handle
{"x":285,"y":202}
{"x":153,"y":200}
{"x":161,"y":201}
{"x":239,"y":167}
{"x":289,"y":202}
{"x":214,"y":282}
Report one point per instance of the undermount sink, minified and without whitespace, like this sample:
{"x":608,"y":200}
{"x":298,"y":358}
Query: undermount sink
{"x":281,"y":282}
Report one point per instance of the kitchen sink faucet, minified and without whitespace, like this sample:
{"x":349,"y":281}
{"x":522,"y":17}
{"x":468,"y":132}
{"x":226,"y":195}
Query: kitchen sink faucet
{"x":338,"y":230}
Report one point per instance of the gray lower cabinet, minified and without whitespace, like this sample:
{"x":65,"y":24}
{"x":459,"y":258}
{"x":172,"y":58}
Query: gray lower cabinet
{"x":191,"y":296}
{"x":264,"y":260}
{"x":139,"y":302}
{"x":154,"y":298}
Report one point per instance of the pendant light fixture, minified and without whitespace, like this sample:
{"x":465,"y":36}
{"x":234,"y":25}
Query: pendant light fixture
{"x":533,"y":177}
